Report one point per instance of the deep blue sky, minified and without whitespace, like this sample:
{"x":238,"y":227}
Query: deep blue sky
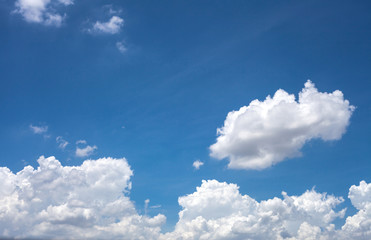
{"x":187,"y":64}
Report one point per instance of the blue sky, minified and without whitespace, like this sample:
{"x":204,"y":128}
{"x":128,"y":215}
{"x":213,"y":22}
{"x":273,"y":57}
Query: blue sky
{"x":182,"y":67}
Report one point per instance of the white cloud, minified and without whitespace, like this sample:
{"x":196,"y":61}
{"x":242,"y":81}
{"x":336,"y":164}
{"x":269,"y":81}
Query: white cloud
{"x":121,"y":47}
{"x":358,"y":226}
{"x":360,"y":195}
{"x":81,"y":142}
{"x":41,"y":11}
{"x":91,"y":201}
{"x":62,"y":143}
{"x":81,"y":202}
{"x":113,"y":26}
{"x":197,"y":164}
{"x":155,"y":206}
{"x":218,"y":211}
{"x":38,"y":129}
{"x":265,"y":133}
{"x":85,"y":151}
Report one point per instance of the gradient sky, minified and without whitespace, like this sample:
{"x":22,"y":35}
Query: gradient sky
{"x":154,"y":88}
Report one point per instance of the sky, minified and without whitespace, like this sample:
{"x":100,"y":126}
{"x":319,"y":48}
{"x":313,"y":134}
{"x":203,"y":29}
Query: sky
{"x":185,"y":119}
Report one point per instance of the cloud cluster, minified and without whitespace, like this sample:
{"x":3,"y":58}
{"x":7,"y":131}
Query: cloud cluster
{"x":266,"y":132}
{"x":78,"y":202}
{"x":46,"y":12}
{"x":41,"y":11}
{"x":91,"y":202}
{"x":218,"y":211}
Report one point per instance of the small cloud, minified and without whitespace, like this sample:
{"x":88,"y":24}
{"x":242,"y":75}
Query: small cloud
{"x":81,"y":142}
{"x":66,"y":2}
{"x":62,"y":144}
{"x":121,"y":47}
{"x":197,"y":164}
{"x":86,"y":151}
{"x":113,"y":26}
{"x":38,"y":129}
{"x":112,"y":11}
{"x":155,"y":206}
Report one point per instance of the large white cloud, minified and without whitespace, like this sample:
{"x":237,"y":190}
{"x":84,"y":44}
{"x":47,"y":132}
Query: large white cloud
{"x":41,"y":11}
{"x":91,"y":201}
{"x":218,"y":211}
{"x":264,"y":133}
{"x":79,"y":202}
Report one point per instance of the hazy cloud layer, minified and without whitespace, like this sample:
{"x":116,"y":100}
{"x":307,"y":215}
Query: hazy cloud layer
{"x":42,"y":11}
{"x":264,"y":133}
{"x":90,"y":201}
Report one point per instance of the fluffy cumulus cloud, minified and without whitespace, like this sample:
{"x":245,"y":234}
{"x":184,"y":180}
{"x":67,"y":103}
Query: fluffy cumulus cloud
{"x":218,"y":211}
{"x":359,"y":225}
{"x":79,"y":202}
{"x":91,"y":201}
{"x":112,"y":26}
{"x":266,"y":132}
{"x":42,"y":11}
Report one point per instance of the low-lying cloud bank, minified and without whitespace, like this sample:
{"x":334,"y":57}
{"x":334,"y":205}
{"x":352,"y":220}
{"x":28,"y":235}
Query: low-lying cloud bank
{"x":264,"y":133}
{"x":90,"y":201}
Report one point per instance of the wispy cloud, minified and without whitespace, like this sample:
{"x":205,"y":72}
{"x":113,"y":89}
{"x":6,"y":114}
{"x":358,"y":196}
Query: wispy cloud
{"x":62,"y":143}
{"x":38,"y":129}
{"x":81,"y":141}
{"x":121,"y":47}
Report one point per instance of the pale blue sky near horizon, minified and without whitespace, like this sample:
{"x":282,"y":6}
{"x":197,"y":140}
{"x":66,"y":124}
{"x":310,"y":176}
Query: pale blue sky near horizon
{"x":186,"y":65}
